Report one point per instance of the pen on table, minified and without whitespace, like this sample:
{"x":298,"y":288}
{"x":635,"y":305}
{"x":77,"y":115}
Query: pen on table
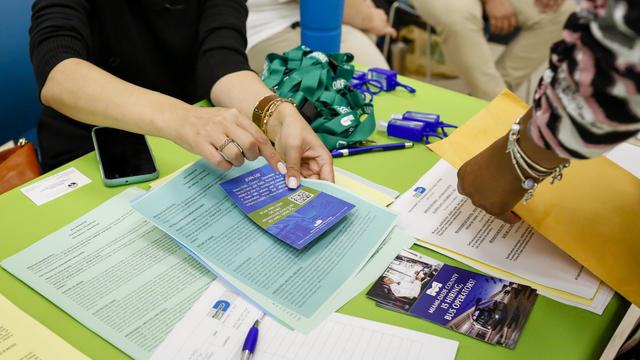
{"x":366,"y":149}
{"x":250,"y":341}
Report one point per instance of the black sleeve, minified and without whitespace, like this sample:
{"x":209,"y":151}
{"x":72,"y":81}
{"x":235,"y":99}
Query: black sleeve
{"x":59,"y":31}
{"x":222,"y":42}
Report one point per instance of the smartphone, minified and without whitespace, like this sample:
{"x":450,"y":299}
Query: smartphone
{"x":124,"y":157}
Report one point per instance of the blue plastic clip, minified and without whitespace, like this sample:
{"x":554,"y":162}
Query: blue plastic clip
{"x":388,"y":79}
{"x":376,"y":80}
{"x":415,"y":126}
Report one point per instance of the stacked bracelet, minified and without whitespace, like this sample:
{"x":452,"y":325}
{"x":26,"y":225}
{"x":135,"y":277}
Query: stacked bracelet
{"x":265,"y":108}
{"x":521,"y":162}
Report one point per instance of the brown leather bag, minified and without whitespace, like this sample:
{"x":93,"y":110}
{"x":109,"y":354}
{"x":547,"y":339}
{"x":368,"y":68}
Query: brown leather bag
{"x":18,"y":165}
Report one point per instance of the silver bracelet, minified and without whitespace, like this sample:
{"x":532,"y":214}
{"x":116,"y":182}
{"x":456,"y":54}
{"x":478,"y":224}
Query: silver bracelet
{"x":522,"y":162}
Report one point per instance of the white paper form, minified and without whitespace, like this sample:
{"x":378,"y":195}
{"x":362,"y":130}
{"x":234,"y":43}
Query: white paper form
{"x":116,"y":273}
{"x":433,"y":211}
{"x":627,"y":156}
{"x":208,"y":333}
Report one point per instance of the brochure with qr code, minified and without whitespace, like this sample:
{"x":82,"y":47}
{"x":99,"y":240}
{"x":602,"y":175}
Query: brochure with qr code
{"x":296,"y":216}
{"x":484,"y":307}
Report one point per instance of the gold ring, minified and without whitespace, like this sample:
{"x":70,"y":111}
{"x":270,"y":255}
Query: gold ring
{"x":226,"y":142}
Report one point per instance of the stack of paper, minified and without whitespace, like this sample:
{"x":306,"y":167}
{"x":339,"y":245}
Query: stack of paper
{"x":298,"y":287}
{"x":116,"y":273}
{"x":128,"y":281}
{"x":442,"y":219}
{"x":484,"y":307}
{"x":591,"y":214}
{"x":218,"y":322}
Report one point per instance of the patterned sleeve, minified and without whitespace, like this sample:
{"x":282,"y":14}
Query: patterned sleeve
{"x":587,"y":101}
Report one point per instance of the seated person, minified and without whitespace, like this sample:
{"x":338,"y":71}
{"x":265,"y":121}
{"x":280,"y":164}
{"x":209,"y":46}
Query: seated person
{"x":409,"y":289}
{"x":274,"y":26}
{"x":586,"y":103}
{"x":138,"y":65}
{"x":461,"y":26}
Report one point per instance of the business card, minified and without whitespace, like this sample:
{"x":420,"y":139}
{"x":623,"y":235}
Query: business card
{"x":55,"y":186}
{"x":296,"y":216}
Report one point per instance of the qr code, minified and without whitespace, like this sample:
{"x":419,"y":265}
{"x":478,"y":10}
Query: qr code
{"x":300,"y":197}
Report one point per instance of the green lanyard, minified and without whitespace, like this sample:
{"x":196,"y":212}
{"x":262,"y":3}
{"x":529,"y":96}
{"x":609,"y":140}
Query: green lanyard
{"x":302,"y":74}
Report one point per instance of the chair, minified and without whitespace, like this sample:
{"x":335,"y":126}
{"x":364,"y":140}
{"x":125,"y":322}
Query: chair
{"x":19,"y":103}
{"x":402,"y":14}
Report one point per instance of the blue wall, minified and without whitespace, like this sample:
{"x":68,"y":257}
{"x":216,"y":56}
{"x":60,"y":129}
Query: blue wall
{"x":19,"y":104}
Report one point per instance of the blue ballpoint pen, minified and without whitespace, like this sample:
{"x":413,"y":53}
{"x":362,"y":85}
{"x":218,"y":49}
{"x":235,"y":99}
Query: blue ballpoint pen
{"x":250,"y":341}
{"x":366,"y":149}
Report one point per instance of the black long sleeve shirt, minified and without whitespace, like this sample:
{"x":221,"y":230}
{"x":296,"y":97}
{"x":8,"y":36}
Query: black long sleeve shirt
{"x":177,"y":47}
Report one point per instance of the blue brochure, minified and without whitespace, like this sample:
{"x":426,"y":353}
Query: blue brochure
{"x":296,"y":216}
{"x":484,"y":307}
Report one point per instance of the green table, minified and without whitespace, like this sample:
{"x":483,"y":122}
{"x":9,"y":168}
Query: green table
{"x":554,"y":330}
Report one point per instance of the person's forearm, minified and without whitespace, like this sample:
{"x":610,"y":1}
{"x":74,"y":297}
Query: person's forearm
{"x":353,"y":10}
{"x":364,"y":15}
{"x":240,"y":90}
{"x":355,"y":13}
{"x":88,"y":94}
{"x":538,"y":154}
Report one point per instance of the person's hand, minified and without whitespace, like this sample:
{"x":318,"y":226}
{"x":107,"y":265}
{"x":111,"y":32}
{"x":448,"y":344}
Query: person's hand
{"x":377,"y":23}
{"x":203,"y":130}
{"x":502,"y":17}
{"x":299,"y":146}
{"x":549,"y":5}
{"x":491,"y":183}
{"x":490,"y":180}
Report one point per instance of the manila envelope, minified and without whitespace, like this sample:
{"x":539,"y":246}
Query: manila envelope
{"x":593,"y":214}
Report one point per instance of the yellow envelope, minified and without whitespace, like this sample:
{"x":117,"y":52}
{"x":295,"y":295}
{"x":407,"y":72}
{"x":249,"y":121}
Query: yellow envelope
{"x":593,"y":214}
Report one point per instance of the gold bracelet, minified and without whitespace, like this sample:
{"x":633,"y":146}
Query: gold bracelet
{"x":261,"y":107}
{"x":270,"y":109}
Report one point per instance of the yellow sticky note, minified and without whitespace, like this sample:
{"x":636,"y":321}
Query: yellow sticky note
{"x":22,"y":337}
{"x":592,"y":214}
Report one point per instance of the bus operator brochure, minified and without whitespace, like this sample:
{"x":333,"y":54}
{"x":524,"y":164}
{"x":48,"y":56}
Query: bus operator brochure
{"x":484,"y":307}
{"x":296,"y":216}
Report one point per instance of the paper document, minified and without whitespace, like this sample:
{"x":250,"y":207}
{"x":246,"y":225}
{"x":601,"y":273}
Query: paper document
{"x":116,"y":273}
{"x":435,"y":212}
{"x":22,"y":337}
{"x":295,"y":216}
{"x":290,"y":284}
{"x":627,"y":156}
{"x":367,"y":189}
{"x":592,"y":214}
{"x":595,"y":305}
{"x":216,"y":326}
{"x":486,"y":308}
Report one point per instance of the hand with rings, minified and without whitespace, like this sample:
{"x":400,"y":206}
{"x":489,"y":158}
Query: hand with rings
{"x":225,"y":137}
{"x":226,"y":142}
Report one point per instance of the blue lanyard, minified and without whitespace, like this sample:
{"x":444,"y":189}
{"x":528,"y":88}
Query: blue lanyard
{"x":375,"y":81}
